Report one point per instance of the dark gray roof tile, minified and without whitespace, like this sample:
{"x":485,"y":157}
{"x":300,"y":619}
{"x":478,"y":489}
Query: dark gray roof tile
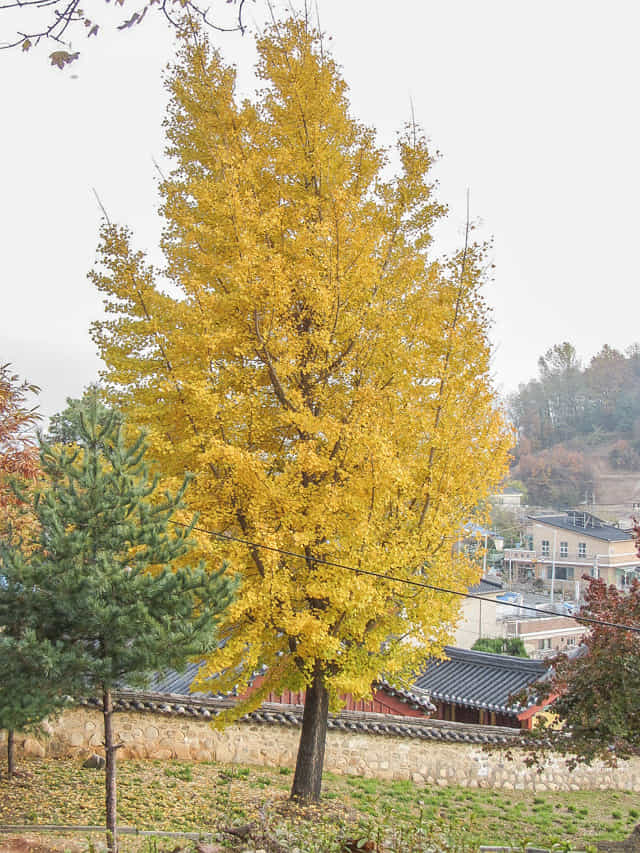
{"x":479,"y":679}
{"x":486,"y":587}
{"x":587,"y":524}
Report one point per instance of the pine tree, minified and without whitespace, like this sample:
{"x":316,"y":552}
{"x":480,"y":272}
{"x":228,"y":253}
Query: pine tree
{"x":324,"y":375}
{"x":32,"y":674}
{"x":107,"y":584}
{"x":64,"y":426}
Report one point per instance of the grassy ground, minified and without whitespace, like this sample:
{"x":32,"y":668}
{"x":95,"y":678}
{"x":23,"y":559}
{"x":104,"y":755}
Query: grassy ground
{"x":175,"y":795}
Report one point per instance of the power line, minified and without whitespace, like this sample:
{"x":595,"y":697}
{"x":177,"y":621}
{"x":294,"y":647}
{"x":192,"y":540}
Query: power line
{"x":408,"y":581}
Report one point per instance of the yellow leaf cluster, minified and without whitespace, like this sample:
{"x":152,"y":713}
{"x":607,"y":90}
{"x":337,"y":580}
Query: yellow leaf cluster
{"x":325,"y":379}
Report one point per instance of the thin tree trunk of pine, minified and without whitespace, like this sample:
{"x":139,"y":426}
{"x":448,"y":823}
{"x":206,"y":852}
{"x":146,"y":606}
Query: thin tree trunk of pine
{"x":11,"y":754}
{"x":307,"y":781}
{"x":110,"y":773}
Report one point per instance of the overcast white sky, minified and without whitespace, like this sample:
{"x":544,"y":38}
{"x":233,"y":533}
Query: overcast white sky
{"x":534,"y":107}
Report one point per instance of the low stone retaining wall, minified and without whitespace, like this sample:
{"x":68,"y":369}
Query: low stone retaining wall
{"x":428,"y":752}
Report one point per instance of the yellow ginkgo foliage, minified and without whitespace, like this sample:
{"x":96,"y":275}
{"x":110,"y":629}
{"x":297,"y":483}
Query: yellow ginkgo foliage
{"x":325,"y":378}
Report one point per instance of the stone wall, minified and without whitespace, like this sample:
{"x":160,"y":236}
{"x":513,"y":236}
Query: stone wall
{"x":425,"y":761}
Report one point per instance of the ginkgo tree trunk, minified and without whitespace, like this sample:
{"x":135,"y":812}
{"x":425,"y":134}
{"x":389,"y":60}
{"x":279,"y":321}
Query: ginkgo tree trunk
{"x":324,"y":375}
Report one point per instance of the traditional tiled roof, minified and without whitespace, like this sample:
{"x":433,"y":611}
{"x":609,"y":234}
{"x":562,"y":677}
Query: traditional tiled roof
{"x":480,"y":680}
{"x":180,"y":683}
{"x":415,"y":698}
{"x":291,"y":715}
{"x":177,"y":682}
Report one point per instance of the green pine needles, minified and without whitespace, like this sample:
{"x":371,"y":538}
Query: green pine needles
{"x":32,"y":672}
{"x":105,"y":593}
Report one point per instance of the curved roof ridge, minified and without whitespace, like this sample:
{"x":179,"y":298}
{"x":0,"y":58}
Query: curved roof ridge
{"x":492,"y":659}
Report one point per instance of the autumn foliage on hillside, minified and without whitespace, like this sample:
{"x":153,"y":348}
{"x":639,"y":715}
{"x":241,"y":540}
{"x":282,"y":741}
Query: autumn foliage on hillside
{"x":568,"y":400}
{"x":555,"y":476}
{"x":569,"y":408}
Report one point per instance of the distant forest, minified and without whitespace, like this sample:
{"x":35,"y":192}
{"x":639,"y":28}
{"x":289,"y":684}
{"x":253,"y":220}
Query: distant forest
{"x":569,"y":408}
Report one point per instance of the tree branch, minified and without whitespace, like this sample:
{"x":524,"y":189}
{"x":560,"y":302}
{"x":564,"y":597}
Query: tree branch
{"x":266,"y":359}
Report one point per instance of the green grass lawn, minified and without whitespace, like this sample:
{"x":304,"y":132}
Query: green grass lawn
{"x":181,"y":796}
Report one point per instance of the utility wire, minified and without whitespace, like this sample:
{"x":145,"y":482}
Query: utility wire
{"x":320,"y":560}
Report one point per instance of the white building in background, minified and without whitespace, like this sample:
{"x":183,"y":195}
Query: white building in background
{"x":510,"y":499}
{"x":480,"y":617}
{"x":564,"y":546}
{"x":545,"y":636}
{"x":501,"y":613}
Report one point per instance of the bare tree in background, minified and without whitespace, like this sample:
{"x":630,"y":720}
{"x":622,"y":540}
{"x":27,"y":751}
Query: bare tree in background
{"x":56,"y":21}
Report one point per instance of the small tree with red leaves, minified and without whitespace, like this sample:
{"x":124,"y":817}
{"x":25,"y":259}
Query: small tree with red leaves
{"x":18,"y":449}
{"x":18,"y":472}
{"x":596,"y":709}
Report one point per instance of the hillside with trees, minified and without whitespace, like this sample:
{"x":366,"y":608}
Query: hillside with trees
{"x":578,"y":427}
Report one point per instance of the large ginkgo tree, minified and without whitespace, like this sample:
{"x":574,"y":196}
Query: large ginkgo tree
{"x":320,"y":370}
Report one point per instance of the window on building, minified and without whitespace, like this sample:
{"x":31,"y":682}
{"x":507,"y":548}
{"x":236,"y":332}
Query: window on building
{"x":563,"y":573}
{"x":544,"y":644}
{"x":571,"y":641}
{"x":564,"y":549}
{"x":530,"y":542}
{"x":545,"y":548}
{"x":582,"y":549}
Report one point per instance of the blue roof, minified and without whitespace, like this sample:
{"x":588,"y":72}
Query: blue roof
{"x":482,"y":531}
